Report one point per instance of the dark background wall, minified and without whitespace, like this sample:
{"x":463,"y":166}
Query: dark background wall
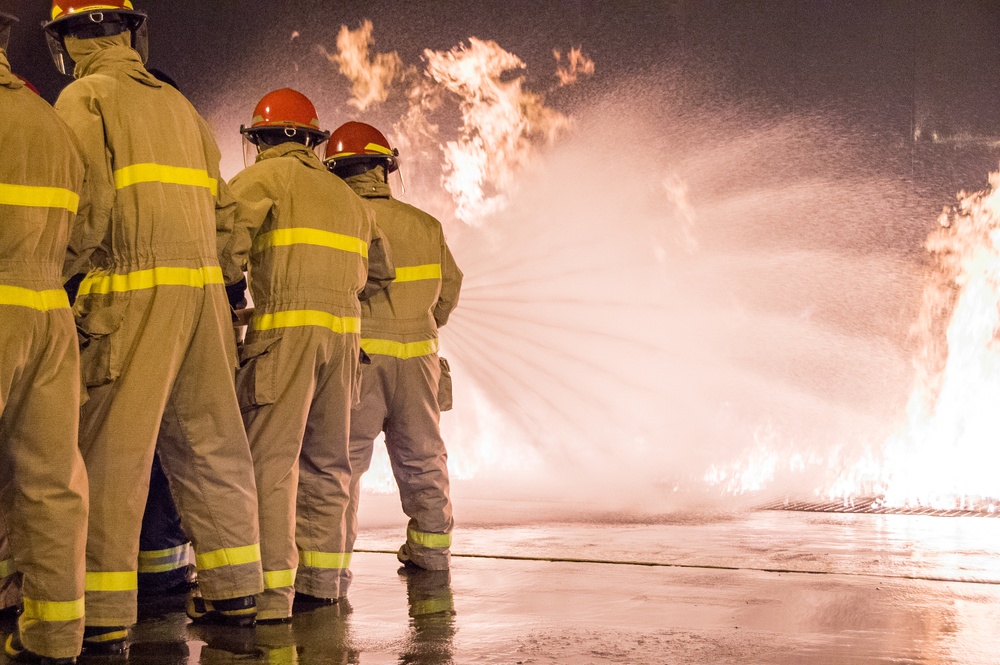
{"x":920,"y":75}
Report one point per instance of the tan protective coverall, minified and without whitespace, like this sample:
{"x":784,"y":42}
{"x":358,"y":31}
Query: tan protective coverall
{"x":311,"y":245}
{"x":43,"y":485}
{"x":158,"y":336}
{"x":399,"y":389}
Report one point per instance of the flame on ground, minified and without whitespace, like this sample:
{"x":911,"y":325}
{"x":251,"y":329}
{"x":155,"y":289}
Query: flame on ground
{"x":947,"y":455}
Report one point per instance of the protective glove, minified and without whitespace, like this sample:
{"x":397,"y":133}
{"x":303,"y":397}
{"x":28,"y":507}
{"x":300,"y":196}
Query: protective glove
{"x":237,"y":294}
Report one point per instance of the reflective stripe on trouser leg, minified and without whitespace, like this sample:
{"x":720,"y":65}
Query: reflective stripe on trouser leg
{"x":205,"y":454}
{"x":420,"y":461}
{"x":40,"y":462}
{"x":165,"y":560}
{"x":293,"y":480}
{"x":275,"y":602}
{"x":366,"y":424}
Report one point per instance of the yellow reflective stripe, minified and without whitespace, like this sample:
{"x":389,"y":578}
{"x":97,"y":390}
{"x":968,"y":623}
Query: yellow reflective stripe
{"x":40,"y":300}
{"x":274,"y":579}
{"x":52,"y":610}
{"x":431,"y":606}
{"x":123,"y":581}
{"x":161,"y":561}
{"x":331,"y":560}
{"x":283,"y":656}
{"x":296,"y":318}
{"x":30,"y":196}
{"x":387,"y":347}
{"x":375,"y":147}
{"x":109,"y":636}
{"x":230,"y":556}
{"x":172,"y":175}
{"x":7,"y":568}
{"x":147,"y":555}
{"x":305,"y":236}
{"x":147,"y":279}
{"x":434,"y":540}
{"x":417,"y":273}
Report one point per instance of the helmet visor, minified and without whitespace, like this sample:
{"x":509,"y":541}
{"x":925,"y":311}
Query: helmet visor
{"x":95,"y":24}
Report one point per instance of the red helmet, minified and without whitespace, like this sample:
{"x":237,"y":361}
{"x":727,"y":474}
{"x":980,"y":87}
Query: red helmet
{"x":357,"y":141}
{"x":287,"y":112}
{"x":6,"y":21}
{"x":86,"y":19}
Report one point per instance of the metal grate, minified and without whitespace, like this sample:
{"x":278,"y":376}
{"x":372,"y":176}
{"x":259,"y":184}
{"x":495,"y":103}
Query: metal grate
{"x":868,"y":506}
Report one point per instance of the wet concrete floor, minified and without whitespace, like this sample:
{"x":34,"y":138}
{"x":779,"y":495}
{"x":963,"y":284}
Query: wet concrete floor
{"x":760,"y":587}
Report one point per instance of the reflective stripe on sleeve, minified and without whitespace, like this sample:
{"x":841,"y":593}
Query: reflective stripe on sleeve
{"x":162,"y":561}
{"x":123,"y":581}
{"x":417,"y":273}
{"x":230,"y":556}
{"x":329,"y":560}
{"x":171,"y":175}
{"x":7,"y":568}
{"x":275,"y":579}
{"x":297,"y":318}
{"x":433,"y":540}
{"x":40,"y":300}
{"x":51,"y":610}
{"x":39,"y":197}
{"x":147,"y":279}
{"x":387,"y":347}
{"x":305,"y":236}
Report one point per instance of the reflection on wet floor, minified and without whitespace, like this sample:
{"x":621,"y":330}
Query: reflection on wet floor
{"x":768,"y":588}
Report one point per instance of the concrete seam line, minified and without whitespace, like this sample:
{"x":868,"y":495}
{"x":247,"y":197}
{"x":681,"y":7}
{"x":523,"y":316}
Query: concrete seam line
{"x":697,"y":566}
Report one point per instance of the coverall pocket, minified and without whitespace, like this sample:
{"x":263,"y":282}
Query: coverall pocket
{"x":444,"y":386}
{"x":256,"y":379}
{"x":98,"y":318}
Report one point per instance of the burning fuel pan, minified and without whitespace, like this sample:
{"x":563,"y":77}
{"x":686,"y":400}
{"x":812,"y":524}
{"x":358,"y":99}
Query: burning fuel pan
{"x":868,"y":506}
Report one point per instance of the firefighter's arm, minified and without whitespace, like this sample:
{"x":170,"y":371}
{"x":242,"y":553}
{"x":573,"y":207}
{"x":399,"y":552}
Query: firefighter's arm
{"x":381,"y":270}
{"x":81,"y":112}
{"x":252,"y":204}
{"x":451,"y":285}
{"x":225,"y":206}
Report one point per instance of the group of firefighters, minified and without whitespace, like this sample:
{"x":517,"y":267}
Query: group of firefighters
{"x":263,"y":443}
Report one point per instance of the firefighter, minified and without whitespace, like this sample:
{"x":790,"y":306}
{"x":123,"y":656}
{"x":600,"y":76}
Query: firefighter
{"x":312,"y":249}
{"x":400,"y":388}
{"x":43,"y":485}
{"x":153,"y":314}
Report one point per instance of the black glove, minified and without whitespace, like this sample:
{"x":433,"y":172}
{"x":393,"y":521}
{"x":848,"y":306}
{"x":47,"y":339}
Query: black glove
{"x":237,"y":294}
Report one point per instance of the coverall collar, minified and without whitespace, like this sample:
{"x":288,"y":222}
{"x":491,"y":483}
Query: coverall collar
{"x":7,"y":78}
{"x":296,"y":150}
{"x":101,"y":54}
{"x":370,"y":185}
